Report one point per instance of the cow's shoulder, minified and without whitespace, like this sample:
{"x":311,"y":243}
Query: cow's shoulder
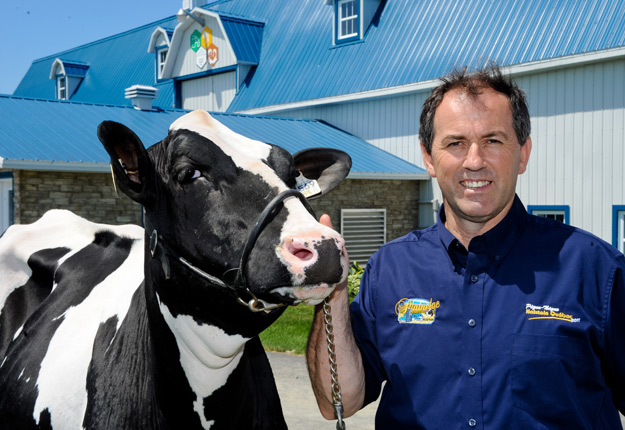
{"x":31,"y":255}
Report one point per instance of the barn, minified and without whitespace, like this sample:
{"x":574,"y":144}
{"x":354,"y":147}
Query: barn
{"x":361,"y":69}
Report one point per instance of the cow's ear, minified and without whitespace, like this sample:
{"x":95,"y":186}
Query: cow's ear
{"x":129,"y":159}
{"x":328,"y":167}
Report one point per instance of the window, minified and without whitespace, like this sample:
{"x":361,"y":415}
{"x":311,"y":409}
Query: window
{"x":61,"y":88}
{"x":618,"y":227}
{"x":161,"y":55}
{"x":364,"y":231}
{"x":559,"y":213}
{"x":6,"y":201}
{"x":347,"y":20}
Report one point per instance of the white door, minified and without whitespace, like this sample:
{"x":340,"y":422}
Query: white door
{"x":6,"y":203}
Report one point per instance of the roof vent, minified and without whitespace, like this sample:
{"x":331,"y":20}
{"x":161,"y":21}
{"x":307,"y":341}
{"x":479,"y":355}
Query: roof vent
{"x":191,"y":4}
{"x":141,"y":96}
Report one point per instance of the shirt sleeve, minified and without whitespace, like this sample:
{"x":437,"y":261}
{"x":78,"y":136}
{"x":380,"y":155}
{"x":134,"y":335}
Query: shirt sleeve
{"x":615,"y":337}
{"x":364,"y":326}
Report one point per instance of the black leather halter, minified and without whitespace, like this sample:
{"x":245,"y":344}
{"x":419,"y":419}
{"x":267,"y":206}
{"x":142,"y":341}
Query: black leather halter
{"x":233,"y":279}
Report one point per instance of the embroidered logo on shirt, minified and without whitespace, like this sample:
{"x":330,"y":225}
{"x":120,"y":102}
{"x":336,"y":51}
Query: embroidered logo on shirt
{"x":416,"y":311}
{"x":546,"y":312}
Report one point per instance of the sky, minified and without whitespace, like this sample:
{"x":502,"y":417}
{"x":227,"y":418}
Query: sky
{"x":33,"y":29}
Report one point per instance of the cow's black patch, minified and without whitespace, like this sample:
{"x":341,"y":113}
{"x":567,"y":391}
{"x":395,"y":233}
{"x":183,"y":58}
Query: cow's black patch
{"x":75,"y":279}
{"x":251,"y":384}
{"x":23,"y":301}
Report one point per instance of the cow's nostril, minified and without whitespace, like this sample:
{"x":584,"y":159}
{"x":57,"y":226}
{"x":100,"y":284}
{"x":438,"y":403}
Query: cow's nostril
{"x":303,"y":254}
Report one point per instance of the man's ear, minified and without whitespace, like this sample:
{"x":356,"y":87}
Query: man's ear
{"x":526,"y":149}
{"x":328,"y":167}
{"x":427,"y":161}
{"x":131,"y":165}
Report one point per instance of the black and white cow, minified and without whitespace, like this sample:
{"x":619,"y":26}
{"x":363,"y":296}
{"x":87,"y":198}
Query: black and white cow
{"x":89,"y":339}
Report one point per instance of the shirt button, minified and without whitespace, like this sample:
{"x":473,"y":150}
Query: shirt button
{"x":471,"y":371}
{"x":472,"y":423}
{"x":474,"y":278}
{"x":472,"y":323}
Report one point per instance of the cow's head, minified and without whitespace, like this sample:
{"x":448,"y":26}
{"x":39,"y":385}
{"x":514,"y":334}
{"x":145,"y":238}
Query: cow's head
{"x":204,"y":187}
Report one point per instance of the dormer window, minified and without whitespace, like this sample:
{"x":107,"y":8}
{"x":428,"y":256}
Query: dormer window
{"x":159,"y":45}
{"x":161,"y":56}
{"x":347,"y":20}
{"x":68,"y":75}
{"x":354,"y":18}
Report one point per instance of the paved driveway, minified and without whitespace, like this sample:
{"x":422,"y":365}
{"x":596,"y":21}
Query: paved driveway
{"x":298,"y":401}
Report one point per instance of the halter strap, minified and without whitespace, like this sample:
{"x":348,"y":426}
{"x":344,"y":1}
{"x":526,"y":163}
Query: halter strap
{"x":234,"y":279}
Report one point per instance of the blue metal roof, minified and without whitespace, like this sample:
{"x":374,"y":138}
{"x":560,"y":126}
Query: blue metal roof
{"x":65,"y":132}
{"x":245,"y":38}
{"x":411,"y":42}
{"x":115,"y":63}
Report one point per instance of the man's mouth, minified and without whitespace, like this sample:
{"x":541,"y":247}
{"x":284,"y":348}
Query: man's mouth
{"x":474,"y":184}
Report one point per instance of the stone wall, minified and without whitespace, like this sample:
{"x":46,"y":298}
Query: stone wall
{"x":90,"y":195}
{"x":399,"y":198}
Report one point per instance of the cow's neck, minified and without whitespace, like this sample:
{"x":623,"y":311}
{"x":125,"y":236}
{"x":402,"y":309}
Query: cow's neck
{"x":192,"y":360}
{"x":208,"y":356}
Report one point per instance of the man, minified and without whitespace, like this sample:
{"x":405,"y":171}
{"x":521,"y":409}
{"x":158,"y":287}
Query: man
{"x":491,"y":318}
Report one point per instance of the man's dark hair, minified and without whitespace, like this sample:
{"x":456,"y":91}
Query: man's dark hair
{"x":473,"y":84}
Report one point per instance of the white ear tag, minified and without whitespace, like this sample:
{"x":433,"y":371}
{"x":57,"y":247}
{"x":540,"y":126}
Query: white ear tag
{"x":308,"y":187}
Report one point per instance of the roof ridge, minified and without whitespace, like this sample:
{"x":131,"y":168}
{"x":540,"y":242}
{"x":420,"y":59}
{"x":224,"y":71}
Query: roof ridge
{"x":104,"y":39}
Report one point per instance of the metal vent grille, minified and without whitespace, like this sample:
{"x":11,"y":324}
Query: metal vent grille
{"x":364,"y":231}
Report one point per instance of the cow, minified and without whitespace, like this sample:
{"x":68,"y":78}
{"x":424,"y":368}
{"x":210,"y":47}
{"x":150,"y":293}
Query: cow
{"x":124,"y":327}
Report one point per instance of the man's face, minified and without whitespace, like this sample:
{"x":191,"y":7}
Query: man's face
{"x":476,"y":158}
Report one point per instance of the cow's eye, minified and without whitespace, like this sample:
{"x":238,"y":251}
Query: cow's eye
{"x":188,"y":174}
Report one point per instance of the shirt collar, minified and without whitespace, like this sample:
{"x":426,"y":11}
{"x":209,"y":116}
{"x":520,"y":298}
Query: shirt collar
{"x":498,"y":241}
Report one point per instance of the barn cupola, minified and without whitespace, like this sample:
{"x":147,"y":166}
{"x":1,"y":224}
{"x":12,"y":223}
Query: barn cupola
{"x":68,"y":75}
{"x":352,"y":18}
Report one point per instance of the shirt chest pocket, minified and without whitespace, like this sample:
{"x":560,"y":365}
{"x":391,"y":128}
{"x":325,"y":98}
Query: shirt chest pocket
{"x":553,"y":379}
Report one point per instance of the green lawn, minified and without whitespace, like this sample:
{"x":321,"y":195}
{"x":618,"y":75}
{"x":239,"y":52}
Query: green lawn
{"x":290,"y":332}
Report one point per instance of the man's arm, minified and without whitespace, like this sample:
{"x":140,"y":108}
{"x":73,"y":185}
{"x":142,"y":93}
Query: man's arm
{"x":351,"y":375}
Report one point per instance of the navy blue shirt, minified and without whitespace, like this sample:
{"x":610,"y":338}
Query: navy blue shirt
{"x":524,"y":330}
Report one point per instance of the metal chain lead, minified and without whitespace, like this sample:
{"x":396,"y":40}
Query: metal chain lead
{"x":336,"y":387}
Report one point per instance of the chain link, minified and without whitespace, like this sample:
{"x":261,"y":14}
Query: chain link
{"x":336,"y":387}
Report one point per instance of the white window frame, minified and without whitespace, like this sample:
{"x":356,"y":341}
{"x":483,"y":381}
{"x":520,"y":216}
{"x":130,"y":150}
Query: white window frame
{"x":6,"y":202}
{"x":161,"y":57}
{"x":364,"y":231}
{"x":559,"y":213}
{"x":61,"y":87}
{"x":352,"y":19}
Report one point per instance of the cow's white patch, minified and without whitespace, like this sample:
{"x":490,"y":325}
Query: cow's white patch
{"x":57,"y":228}
{"x":71,"y":347}
{"x":207,"y":354}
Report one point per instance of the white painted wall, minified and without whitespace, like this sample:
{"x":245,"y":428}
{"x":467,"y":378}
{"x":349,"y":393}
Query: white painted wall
{"x":213,"y":93}
{"x":578,"y":134}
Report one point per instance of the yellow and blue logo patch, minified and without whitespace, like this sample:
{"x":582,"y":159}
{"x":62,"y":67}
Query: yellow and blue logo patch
{"x":416,"y":311}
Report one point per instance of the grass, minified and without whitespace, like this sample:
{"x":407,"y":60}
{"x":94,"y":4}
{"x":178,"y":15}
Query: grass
{"x":290,"y":332}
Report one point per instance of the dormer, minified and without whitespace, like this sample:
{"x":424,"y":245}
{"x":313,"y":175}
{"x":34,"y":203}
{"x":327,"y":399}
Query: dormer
{"x":352,"y":18}
{"x":159,"y":45}
{"x":68,"y":75}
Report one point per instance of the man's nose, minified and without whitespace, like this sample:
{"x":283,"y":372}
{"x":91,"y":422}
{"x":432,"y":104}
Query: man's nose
{"x":475,"y":157}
